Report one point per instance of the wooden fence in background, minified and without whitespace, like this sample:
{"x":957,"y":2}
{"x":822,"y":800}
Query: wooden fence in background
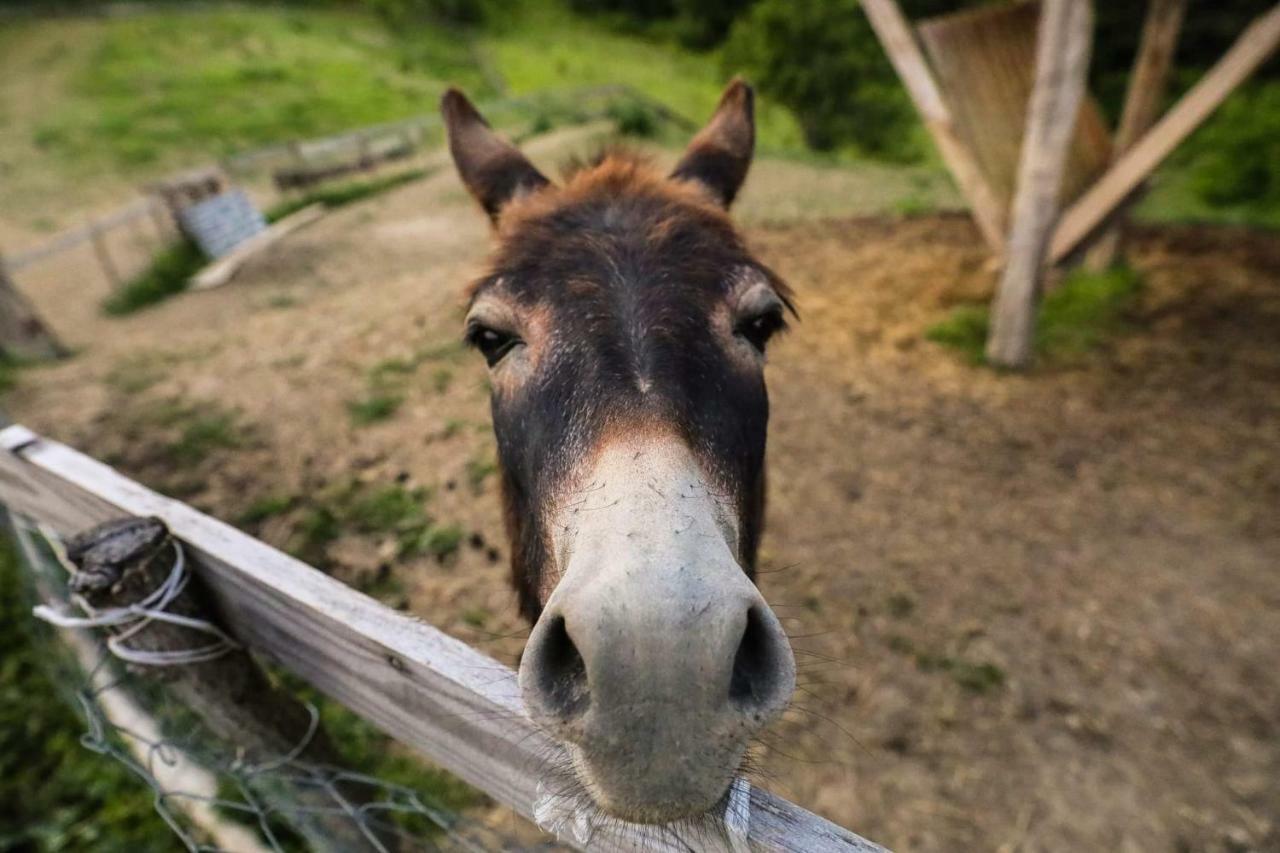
{"x":428,"y":690}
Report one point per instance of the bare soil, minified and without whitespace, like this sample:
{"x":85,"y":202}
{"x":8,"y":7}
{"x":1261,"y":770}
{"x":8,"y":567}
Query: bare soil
{"x":1034,"y":612}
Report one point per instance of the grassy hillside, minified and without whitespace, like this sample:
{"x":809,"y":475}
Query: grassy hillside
{"x":92,"y":104}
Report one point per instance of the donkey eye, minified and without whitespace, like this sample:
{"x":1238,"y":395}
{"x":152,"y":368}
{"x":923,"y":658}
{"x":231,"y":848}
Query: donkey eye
{"x":492,"y":343}
{"x":759,"y":329}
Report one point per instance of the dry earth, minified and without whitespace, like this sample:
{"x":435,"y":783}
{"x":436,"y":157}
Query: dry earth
{"x":1036,"y":613}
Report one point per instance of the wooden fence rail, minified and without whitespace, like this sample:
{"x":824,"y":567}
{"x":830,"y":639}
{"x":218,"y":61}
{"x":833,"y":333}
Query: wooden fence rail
{"x":428,"y":690}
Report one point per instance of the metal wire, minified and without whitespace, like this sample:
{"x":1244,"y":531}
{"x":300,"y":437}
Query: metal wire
{"x":205,"y":792}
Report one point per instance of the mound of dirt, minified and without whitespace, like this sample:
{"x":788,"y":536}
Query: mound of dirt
{"x":1034,"y":612}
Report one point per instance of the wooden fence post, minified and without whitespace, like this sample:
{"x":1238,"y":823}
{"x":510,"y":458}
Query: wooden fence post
{"x":904,"y":52}
{"x":22,"y":333}
{"x":1253,"y":47}
{"x":1147,"y":84}
{"x":1063,"y":45}
{"x":124,"y":563}
{"x":109,"y":268}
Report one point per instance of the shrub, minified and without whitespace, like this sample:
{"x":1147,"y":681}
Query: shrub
{"x":1233,"y":160}
{"x":821,"y":59}
{"x":168,"y":274}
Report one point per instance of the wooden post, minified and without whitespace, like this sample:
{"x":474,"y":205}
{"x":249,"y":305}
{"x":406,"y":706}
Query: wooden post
{"x":1063,"y":44}
{"x":120,"y":564}
{"x":23,"y":334}
{"x":1253,"y":48}
{"x":104,"y":257}
{"x":1147,"y":84}
{"x":899,"y":43}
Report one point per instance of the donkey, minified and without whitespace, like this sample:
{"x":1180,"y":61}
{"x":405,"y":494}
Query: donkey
{"x":625,"y":325}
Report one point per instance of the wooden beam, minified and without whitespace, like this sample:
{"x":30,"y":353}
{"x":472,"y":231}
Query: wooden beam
{"x":23,"y":334}
{"x":1147,"y":85}
{"x":1254,"y":46}
{"x":904,"y":52}
{"x":1063,"y":44}
{"x":432,"y":692}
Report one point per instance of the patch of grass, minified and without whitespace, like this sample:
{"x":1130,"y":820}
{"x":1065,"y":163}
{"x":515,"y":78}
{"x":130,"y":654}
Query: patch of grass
{"x":439,"y":541}
{"x":390,"y":508}
{"x":373,"y":408}
{"x":8,"y":373}
{"x":441,"y":378}
{"x":137,"y":373}
{"x":901,"y":605}
{"x":317,"y":528}
{"x":57,"y":795}
{"x":476,"y":617}
{"x":974,"y":677}
{"x":266,"y":507}
{"x":337,"y":195}
{"x":480,"y":468}
{"x":453,"y":426}
{"x":1074,"y":318}
{"x":224,"y":78}
{"x":204,"y":434}
{"x":169,"y":273}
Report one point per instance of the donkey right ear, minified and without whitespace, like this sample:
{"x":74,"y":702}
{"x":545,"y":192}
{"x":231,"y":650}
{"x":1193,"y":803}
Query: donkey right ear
{"x":493,"y":169}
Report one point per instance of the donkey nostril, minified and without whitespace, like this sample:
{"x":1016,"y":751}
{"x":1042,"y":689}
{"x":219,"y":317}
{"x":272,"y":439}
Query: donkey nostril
{"x":560,"y":673}
{"x":756,"y":672}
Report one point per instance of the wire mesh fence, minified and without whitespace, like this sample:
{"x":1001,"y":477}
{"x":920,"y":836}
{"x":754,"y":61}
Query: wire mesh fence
{"x":229,"y":794}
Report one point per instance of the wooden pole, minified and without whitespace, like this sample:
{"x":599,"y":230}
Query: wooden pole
{"x":23,"y":334}
{"x":1254,"y":46}
{"x":904,"y":52}
{"x":104,"y":258}
{"x":1147,"y":85}
{"x":120,"y":564}
{"x":1063,"y":43}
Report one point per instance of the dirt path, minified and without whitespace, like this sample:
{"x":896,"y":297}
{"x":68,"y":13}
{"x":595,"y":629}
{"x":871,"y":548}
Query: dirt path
{"x":1040,"y":613}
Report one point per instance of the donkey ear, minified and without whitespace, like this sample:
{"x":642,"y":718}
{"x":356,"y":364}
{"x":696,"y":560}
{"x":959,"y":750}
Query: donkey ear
{"x":493,"y":169}
{"x":719,"y":156}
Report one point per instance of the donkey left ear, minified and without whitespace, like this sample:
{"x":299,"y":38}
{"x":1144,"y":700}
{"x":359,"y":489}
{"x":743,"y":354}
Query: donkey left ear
{"x":493,"y":169}
{"x":719,"y":156}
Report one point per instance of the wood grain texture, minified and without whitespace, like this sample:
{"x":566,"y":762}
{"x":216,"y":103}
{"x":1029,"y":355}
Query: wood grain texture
{"x":428,"y":690}
{"x":984,"y":59}
{"x":1254,"y":46}
{"x":1147,"y":84}
{"x":899,"y":43}
{"x":1063,"y":44}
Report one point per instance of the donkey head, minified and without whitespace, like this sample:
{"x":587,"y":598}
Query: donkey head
{"x":625,"y":324}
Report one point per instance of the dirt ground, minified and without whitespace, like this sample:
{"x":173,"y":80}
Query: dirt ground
{"x":1034,"y":612}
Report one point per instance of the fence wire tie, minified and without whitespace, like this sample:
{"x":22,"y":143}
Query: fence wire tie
{"x":134,"y":618}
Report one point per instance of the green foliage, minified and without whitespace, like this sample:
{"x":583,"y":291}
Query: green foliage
{"x":407,"y":12}
{"x":634,"y":117}
{"x":821,"y":59}
{"x":1074,"y":318}
{"x":1234,"y":161}
{"x":226,"y":78}
{"x":168,"y":274}
{"x":390,"y":508}
{"x":8,"y":373}
{"x":974,"y":677}
{"x":265,"y":507}
{"x":337,"y":195}
{"x":204,"y":434}
{"x":57,"y":795}
{"x":373,"y":408}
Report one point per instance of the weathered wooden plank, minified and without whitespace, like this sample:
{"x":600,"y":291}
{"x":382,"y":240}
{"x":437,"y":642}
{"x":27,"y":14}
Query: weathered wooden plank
{"x":984,"y":60}
{"x":1147,"y":84}
{"x":900,"y":44}
{"x":1062,"y":64}
{"x":1253,"y":48}
{"x":71,"y":239}
{"x":430,"y":691}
